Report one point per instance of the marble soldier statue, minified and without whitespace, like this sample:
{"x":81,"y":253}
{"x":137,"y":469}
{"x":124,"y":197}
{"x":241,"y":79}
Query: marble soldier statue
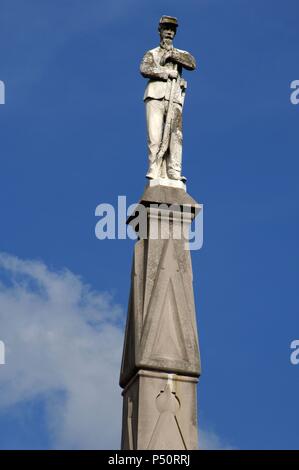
{"x":164,"y":99}
{"x":161,"y":365}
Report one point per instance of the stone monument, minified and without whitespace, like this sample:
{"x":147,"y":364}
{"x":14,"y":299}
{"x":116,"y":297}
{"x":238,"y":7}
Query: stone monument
{"x":161,"y":364}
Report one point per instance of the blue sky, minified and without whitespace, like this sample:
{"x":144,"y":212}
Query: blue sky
{"x":73,"y":136}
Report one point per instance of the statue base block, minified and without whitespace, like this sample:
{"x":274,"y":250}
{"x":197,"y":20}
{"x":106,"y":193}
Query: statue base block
{"x":167,"y":182}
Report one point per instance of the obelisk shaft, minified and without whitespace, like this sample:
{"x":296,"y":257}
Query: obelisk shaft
{"x":161,"y":366}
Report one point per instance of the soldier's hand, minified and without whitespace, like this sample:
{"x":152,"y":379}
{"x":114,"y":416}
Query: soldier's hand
{"x":165,"y":57}
{"x":173,"y":73}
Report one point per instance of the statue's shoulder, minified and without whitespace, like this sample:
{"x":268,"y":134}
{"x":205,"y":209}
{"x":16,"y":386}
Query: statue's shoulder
{"x":151,"y":56}
{"x":153,"y":51}
{"x":182,"y":51}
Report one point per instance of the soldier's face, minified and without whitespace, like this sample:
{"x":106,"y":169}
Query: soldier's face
{"x":167,"y":32}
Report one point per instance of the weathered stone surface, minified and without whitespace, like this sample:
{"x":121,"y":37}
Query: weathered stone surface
{"x":159,"y":412}
{"x":169,"y":195}
{"x":161,"y":364}
{"x":161,"y":331}
{"x":164,"y":99}
{"x":167,"y":182}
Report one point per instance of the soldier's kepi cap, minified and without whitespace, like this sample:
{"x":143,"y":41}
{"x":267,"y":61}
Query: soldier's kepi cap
{"x":168,"y":20}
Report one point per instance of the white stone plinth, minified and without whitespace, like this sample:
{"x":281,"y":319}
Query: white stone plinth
{"x":167,"y":182}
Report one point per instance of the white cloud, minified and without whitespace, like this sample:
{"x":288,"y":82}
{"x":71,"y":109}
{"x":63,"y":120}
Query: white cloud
{"x":63,"y":343}
{"x":208,"y":440}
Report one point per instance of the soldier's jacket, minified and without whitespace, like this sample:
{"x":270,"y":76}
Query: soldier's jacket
{"x":159,"y":86}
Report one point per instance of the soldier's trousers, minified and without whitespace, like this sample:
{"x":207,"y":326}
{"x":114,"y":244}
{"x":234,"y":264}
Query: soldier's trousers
{"x":156,"y":111}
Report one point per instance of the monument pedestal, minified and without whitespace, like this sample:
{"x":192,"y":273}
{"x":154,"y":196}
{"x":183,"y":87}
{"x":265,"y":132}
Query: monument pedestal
{"x":161,"y":365}
{"x":159,"y":412}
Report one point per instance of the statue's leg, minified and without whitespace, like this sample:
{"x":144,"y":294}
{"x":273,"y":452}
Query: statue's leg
{"x":174,"y":161}
{"x":155,"y":110}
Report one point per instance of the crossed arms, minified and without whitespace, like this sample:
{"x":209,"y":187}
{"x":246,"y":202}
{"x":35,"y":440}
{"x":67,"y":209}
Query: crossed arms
{"x":150,"y":69}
